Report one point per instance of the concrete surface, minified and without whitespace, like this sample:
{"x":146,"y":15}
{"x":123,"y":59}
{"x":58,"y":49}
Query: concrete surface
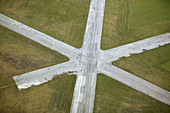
{"x":84,"y":95}
{"x":136,"y":83}
{"x":88,"y":61}
{"x":40,"y":76}
{"x":136,"y":47}
{"x":39,"y":37}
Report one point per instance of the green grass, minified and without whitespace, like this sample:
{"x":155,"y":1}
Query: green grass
{"x":147,"y":66}
{"x":116,"y":32}
{"x":112,"y":96}
{"x":144,"y":65}
{"x":19,"y":55}
{"x":52,"y":97}
{"x":118,"y":19}
{"x":115,"y":97}
{"x":144,"y":12}
{"x":64,"y":20}
{"x":165,"y":65}
{"x":61,"y":98}
{"x":115,"y":24}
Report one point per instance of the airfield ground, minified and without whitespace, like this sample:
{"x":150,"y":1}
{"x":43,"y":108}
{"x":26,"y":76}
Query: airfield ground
{"x":126,"y":24}
{"x":67,"y":26}
{"x":113,"y":96}
{"x":120,"y":27}
{"x":64,"y":20}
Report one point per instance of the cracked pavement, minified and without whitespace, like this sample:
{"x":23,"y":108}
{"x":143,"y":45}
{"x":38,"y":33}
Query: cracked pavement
{"x":89,"y":60}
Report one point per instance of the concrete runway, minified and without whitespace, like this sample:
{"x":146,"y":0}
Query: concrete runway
{"x":88,"y":61}
{"x":84,"y":95}
{"x":39,"y":37}
{"x":136,"y":83}
{"x":136,"y":47}
{"x":40,"y":76}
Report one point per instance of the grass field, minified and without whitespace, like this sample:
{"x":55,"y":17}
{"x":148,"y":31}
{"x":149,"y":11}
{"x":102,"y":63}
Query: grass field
{"x":119,"y":17}
{"x":144,"y":12}
{"x":115,"y":26}
{"x":143,"y":65}
{"x":19,"y":55}
{"x":119,"y":29}
{"x":165,"y":66}
{"x":64,"y":20}
{"x":52,"y":97}
{"x":147,"y":66}
{"x":115,"y":97}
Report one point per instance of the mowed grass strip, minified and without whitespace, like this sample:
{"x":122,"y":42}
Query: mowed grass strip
{"x":115,"y":97}
{"x":118,"y":19}
{"x":64,"y":20}
{"x":115,"y":23}
{"x":147,"y":66}
{"x":144,"y":12}
{"x":148,"y":18}
{"x":61,"y":98}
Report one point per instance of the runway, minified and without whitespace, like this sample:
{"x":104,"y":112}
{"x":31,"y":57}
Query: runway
{"x":84,"y":95}
{"x":89,"y":60}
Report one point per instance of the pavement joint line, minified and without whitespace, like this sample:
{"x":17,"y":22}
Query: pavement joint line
{"x":89,"y":60}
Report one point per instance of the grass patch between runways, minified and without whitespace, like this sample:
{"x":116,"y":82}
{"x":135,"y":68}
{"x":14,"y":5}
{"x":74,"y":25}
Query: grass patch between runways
{"x":165,"y":66}
{"x":64,"y":20}
{"x":19,"y":55}
{"x":146,"y":66}
{"x":115,"y":97}
{"x":52,"y":97}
